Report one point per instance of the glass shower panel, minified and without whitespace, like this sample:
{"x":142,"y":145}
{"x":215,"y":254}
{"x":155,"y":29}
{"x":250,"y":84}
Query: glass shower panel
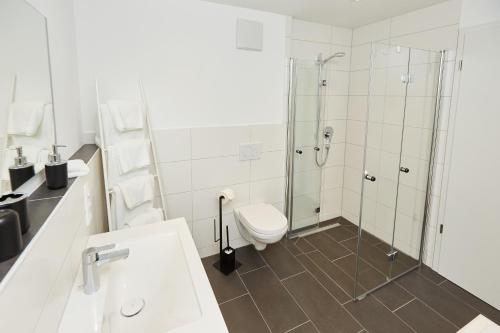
{"x":416,"y":152}
{"x":388,"y":76}
{"x":306,"y":174}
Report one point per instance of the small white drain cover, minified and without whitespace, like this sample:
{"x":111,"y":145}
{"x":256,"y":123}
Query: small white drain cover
{"x":132,"y":307}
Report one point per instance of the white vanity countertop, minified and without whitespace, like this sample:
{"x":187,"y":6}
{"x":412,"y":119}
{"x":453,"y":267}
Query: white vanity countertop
{"x":164,"y":269}
{"x":481,"y":324}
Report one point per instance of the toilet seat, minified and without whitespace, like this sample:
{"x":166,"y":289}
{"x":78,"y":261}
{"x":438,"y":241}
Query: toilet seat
{"x":263,"y":219}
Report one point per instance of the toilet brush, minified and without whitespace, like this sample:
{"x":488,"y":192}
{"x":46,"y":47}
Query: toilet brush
{"x":227,"y":256}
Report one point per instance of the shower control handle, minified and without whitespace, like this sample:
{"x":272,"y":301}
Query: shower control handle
{"x":370,"y":178}
{"x":298,"y":151}
{"x":403,"y":169}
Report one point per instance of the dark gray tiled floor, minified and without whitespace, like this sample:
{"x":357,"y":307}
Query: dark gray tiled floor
{"x":304,"y":285}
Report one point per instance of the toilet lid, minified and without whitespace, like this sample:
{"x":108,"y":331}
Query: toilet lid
{"x":263,"y":218}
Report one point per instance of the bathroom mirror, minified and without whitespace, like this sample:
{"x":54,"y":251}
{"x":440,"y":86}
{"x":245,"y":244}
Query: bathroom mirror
{"x":26,"y":103}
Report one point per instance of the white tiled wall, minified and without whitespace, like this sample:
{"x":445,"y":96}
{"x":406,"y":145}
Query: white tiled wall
{"x":432,"y":28}
{"x":197,"y":163}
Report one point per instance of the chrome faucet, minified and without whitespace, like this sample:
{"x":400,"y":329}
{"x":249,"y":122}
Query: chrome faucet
{"x":93,"y":257}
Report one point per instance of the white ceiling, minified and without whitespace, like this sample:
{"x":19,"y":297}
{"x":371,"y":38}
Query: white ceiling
{"x":344,"y":13}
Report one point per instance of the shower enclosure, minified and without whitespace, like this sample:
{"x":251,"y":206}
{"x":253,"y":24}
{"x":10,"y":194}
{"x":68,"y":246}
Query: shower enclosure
{"x":310,"y":139}
{"x":390,"y":143}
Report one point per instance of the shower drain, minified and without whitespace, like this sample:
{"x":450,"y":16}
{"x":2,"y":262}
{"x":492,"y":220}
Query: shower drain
{"x":132,"y":307}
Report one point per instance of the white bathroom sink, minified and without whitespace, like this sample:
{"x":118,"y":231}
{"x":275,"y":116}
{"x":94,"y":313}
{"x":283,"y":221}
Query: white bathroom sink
{"x":163,"y":275}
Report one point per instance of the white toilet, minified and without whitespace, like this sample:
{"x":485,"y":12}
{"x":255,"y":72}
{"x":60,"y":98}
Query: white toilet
{"x":260,"y":224}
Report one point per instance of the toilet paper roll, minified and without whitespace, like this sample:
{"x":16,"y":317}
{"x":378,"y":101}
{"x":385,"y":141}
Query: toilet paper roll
{"x":228,"y":195}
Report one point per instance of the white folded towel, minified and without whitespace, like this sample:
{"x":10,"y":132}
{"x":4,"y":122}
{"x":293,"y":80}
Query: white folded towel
{"x":137,"y":190}
{"x":77,"y":168}
{"x":133,"y":155}
{"x":126,"y":115}
{"x":25,"y":118}
{"x":151,"y":216}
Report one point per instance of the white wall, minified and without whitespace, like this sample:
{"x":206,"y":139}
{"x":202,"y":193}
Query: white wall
{"x":185,"y":53}
{"x":205,"y":97}
{"x":476,"y":12}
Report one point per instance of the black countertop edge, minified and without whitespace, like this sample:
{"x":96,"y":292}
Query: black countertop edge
{"x":42,"y":203}
{"x":85,"y":153}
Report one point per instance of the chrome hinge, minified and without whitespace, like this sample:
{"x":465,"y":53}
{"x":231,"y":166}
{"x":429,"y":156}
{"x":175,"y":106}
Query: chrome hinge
{"x":460,"y":65}
{"x":406,"y":78}
{"x":392,"y":255}
{"x":441,"y":228}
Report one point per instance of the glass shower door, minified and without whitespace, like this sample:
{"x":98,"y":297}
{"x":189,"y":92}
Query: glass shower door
{"x":400,"y":140}
{"x":304,"y":201}
{"x":382,"y":153}
{"x":415,"y":176}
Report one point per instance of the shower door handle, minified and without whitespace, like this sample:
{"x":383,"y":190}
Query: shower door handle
{"x":370,"y":178}
{"x":403,"y":169}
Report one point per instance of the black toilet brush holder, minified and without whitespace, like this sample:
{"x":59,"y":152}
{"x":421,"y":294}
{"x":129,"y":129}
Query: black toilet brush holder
{"x":11,"y":242}
{"x":19,"y":203}
{"x":227,"y":262}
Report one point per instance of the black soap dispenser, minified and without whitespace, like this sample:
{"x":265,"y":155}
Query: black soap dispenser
{"x":56,"y":170}
{"x":21,"y":171}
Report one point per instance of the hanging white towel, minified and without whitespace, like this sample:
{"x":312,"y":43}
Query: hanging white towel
{"x":126,"y":115}
{"x":133,"y":155}
{"x":151,"y":216}
{"x":137,"y":190}
{"x":120,"y":214}
{"x":77,"y":168}
{"x":25,"y":118}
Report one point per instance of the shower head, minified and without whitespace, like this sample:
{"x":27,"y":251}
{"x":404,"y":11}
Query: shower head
{"x":322,"y":61}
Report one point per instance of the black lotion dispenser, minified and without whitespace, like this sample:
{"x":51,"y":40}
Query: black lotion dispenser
{"x":56,"y":170}
{"x":21,"y":171}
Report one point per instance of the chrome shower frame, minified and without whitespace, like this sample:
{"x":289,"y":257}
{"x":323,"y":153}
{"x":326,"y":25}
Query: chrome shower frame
{"x":290,"y":134}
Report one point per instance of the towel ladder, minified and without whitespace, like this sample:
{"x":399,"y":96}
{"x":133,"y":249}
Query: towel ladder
{"x":105,"y":149}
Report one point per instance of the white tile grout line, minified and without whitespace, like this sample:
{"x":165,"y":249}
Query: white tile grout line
{"x":234,"y":298}
{"x":441,"y":283}
{"x":253,"y":301}
{"x":395,"y":314}
{"x":293,"y":328}
{"x":417,"y":298}
{"x":401,"y":306}
{"x":289,"y":293}
{"x":252,"y":270}
{"x":335,"y":282}
{"x":343,"y":257}
{"x":324,"y":272}
{"x":293,"y":275}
